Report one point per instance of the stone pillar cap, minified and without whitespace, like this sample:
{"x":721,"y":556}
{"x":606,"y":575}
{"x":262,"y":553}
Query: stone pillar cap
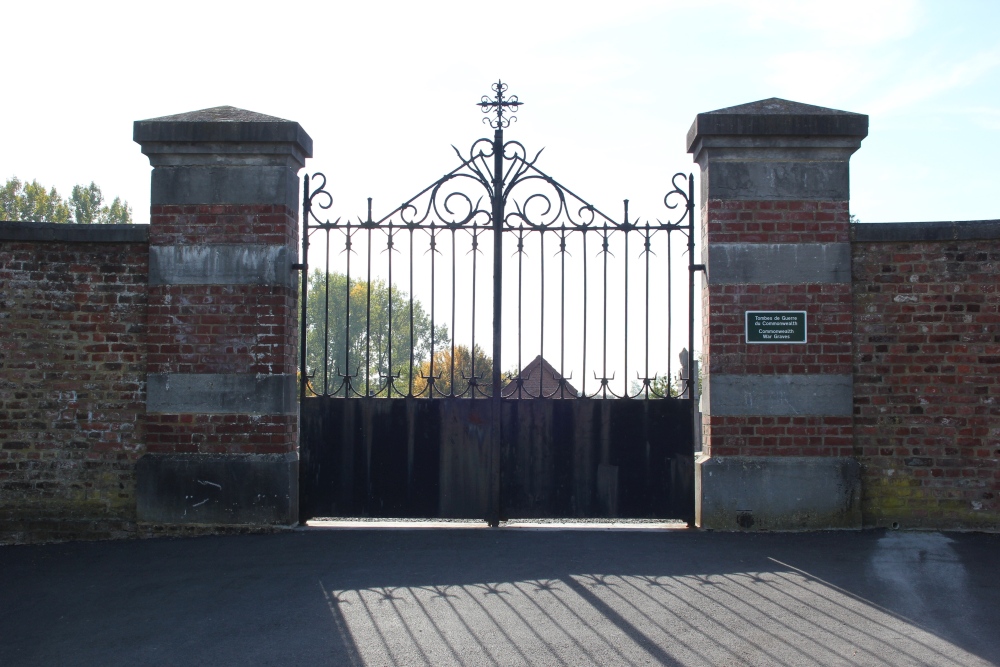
{"x":246,"y":132}
{"x":777,"y":117}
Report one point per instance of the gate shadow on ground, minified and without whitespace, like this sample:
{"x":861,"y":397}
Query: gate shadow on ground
{"x":584,"y":605}
{"x":499,"y":597}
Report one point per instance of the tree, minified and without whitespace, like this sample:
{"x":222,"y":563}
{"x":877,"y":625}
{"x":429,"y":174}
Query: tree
{"x":363,"y":348}
{"x":464,"y":371}
{"x":661,"y":385}
{"x":30,"y":202}
{"x":86,"y":204}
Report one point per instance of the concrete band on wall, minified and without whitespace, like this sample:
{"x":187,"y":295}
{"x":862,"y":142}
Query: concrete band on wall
{"x":965,"y":230}
{"x":778,"y":493}
{"x":779,"y":263}
{"x":774,"y":180}
{"x":218,"y":489}
{"x":784,"y":395}
{"x":233,"y":185}
{"x":221,"y":264}
{"x":73,"y":233}
{"x":218,"y":393}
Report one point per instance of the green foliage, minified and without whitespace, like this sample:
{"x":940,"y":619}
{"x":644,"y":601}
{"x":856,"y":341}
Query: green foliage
{"x":661,"y":386}
{"x":360,"y":350}
{"x":86,"y":204}
{"x":30,"y":202}
{"x":118,"y":213}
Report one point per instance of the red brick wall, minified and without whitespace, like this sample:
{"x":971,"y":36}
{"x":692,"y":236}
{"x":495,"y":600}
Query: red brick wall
{"x":223,"y":223}
{"x":927,"y":382}
{"x":223,"y":329}
{"x":828,"y":348}
{"x":72,"y":382}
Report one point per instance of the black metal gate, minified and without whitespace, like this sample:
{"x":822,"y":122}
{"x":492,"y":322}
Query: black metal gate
{"x":399,"y":419}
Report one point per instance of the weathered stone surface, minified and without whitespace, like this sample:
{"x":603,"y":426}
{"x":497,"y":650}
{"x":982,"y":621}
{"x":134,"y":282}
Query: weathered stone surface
{"x":73,"y":233}
{"x":969,"y":230}
{"x":791,"y":394}
{"x":778,"y":493}
{"x":264,"y":184}
{"x":223,"y":124}
{"x":778,"y":117}
{"x":221,"y":264}
{"x":779,"y":263}
{"x":220,"y":393}
{"x":218,"y":489}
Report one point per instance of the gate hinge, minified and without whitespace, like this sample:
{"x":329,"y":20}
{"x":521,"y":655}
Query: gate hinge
{"x":697,"y":267}
{"x":298,"y":267}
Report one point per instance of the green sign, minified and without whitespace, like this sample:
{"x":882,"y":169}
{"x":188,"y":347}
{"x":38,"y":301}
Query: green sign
{"x":780,"y":326}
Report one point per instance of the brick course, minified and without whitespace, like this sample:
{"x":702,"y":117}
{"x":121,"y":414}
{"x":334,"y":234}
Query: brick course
{"x":927,"y":382}
{"x":72,"y":380}
{"x":249,"y":329}
{"x":828,"y":343}
{"x":223,"y":223}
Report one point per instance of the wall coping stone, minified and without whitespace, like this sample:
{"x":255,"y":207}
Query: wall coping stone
{"x":73,"y":233}
{"x":963,"y":230}
{"x":225,"y":125}
{"x":777,"y":117}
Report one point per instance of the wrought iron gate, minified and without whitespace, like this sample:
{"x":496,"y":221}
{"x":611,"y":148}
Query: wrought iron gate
{"x":399,"y":419}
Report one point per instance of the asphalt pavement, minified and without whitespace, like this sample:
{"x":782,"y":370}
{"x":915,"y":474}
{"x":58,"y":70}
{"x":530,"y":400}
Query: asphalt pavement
{"x":480,"y":596}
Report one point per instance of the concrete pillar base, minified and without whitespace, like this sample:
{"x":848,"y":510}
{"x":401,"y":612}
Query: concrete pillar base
{"x":753,"y":493}
{"x":222,"y":489}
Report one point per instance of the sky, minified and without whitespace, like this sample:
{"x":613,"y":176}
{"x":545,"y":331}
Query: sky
{"x":609,"y":89}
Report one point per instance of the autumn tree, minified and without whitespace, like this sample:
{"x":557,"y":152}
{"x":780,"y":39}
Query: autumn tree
{"x":471,"y":372}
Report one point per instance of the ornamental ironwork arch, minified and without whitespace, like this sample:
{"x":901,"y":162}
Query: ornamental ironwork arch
{"x":496,"y":189}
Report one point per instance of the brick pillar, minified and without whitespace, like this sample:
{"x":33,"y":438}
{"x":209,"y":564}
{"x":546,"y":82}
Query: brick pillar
{"x":777,"y":449}
{"x":222,"y":417}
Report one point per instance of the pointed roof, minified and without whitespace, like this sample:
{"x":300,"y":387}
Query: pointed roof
{"x":540,"y":380}
{"x":775,"y":116}
{"x":223,"y":114}
{"x":225,"y":124}
{"x":776,"y":106}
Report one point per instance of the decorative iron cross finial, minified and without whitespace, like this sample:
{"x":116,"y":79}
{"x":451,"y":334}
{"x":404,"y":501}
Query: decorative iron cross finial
{"x":500,"y":105}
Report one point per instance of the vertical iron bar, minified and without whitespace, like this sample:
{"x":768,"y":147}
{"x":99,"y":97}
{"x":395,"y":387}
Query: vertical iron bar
{"x":347,"y":336}
{"x":433,"y":294}
{"x":645,"y":374}
{"x":520,"y":263}
{"x":691,"y":379}
{"x":326,"y":319}
{"x":493,"y":508}
{"x":625,"y":371}
{"x":409,"y":391}
{"x":670,"y":308}
{"x":583,"y":379}
{"x":389,"y":380}
{"x":368,"y":313}
{"x":541,"y":335}
{"x":475,"y":251}
{"x":303,"y":377}
{"x":452,"y":392}
{"x":562,"y":316}
{"x":604,"y":342}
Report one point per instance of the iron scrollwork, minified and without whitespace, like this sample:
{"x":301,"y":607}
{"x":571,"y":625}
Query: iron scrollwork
{"x":498,"y":189}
